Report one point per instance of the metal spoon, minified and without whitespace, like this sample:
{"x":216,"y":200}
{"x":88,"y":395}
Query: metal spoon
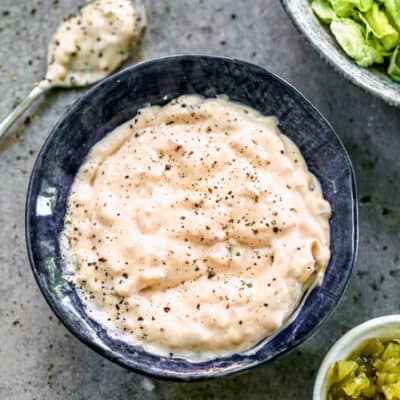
{"x":46,"y":84}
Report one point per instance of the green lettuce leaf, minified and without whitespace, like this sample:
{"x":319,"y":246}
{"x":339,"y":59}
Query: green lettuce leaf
{"x":367,"y":30}
{"x":365,"y":5}
{"x":374,"y":42}
{"x":393,"y":9}
{"x":378,"y":23}
{"x":324,"y":11}
{"x":344,"y":8}
{"x":394,"y":66}
{"x":351,"y":37}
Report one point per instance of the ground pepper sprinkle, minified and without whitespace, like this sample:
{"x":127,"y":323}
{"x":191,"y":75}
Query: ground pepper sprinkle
{"x":196,"y":220}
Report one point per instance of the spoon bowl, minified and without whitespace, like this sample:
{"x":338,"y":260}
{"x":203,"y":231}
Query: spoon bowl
{"x":76,"y":72}
{"x":80,"y":73}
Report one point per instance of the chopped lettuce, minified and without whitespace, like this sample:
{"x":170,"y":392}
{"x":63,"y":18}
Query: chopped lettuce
{"x":324,"y":10}
{"x":394,"y":66}
{"x":367,"y":30}
{"x":392,"y":7}
{"x":350,"y":36}
{"x":378,"y":22}
{"x":365,"y":5}
{"x":344,"y":8}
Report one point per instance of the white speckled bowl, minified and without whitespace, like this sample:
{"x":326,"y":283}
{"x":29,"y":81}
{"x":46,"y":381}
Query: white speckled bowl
{"x":371,"y":80}
{"x":387,"y":327}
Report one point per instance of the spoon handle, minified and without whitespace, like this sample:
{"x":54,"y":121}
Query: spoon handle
{"x":14,"y":114}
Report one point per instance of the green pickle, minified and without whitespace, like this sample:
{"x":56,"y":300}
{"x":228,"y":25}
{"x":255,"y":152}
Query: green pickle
{"x":372,"y":372}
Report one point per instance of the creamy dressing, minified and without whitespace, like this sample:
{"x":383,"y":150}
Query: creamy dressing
{"x":90,"y":45}
{"x":195,"y":226}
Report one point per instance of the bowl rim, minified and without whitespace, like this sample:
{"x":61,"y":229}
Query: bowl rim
{"x":355,"y":337}
{"x":157,"y":373}
{"x":347,"y":65}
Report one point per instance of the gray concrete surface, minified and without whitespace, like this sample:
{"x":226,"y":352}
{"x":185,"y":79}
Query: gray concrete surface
{"x":39,"y":359}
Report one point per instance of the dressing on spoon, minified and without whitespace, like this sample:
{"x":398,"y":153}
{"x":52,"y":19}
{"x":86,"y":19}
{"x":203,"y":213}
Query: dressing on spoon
{"x":87,"y":47}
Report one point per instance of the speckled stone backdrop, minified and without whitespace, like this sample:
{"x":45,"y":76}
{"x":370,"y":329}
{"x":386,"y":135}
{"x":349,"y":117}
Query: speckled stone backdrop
{"x":39,"y":359}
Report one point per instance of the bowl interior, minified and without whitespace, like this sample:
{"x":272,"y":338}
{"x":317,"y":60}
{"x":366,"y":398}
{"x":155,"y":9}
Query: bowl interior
{"x":371,"y":80}
{"x":384,"y":328}
{"x":117,"y":99}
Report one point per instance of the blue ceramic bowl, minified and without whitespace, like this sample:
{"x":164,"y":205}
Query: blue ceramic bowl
{"x":117,"y":99}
